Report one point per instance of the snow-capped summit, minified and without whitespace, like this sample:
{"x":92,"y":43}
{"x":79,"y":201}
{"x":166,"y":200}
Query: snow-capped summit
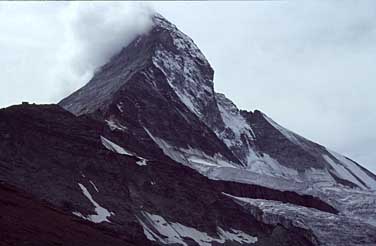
{"x":162,"y":81}
{"x":164,"y":48}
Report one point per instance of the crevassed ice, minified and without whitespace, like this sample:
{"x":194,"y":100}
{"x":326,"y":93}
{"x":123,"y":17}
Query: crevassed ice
{"x":330,"y":229}
{"x":156,"y":228}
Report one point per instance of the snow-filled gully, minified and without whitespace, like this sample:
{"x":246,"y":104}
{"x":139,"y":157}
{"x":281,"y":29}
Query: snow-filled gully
{"x":102,"y":214}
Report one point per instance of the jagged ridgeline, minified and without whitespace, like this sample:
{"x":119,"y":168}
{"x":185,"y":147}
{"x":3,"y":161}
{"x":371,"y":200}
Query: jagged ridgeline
{"x":147,"y":153}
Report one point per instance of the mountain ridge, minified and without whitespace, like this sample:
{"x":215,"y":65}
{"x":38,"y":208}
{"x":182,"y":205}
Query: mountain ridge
{"x":180,"y":70}
{"x":150,"y":151}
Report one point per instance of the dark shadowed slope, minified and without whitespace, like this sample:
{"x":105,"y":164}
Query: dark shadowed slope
{"x":78,"y":165}
{"x":25,"y":220}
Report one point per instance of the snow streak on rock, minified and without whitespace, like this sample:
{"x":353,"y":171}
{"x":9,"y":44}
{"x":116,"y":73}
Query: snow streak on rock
{"x":120,"y":150}
{"x":101,"y":213}
{"x":114,"y":147}
{"x":356,"y":171}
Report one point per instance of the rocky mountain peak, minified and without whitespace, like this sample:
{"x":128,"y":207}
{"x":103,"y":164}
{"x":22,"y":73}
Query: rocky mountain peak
{"x":162,"y":85}
{"x":163,"y":48}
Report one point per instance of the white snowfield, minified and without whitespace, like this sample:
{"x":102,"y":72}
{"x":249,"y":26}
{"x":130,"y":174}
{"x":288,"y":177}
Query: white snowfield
{"x":101,"y":213}
{"x":330,"y":229}
{"x":156,"y":228}
{"x":120,"y":150}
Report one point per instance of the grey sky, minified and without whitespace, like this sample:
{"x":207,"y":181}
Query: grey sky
{"x":308,"y":65}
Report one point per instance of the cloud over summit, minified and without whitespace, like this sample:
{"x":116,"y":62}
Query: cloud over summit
{"x":93,"y":33}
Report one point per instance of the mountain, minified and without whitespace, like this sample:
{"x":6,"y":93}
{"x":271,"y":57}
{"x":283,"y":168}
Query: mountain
{"x":165,"y":81}
{"x":147,"y":153}
{"x":166,"y":84}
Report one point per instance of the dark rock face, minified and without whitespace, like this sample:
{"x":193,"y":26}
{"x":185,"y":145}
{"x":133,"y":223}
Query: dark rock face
{"x":28,"y":221}
{"x":152,"y":154}
{"x":271,"y":141}
{"x":136,"y":89}
{"x":48,"y":152}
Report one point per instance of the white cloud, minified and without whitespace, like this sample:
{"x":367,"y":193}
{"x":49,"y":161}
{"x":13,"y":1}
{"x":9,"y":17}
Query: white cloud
{"x":51,"y":49}
{"x":94,"y":32}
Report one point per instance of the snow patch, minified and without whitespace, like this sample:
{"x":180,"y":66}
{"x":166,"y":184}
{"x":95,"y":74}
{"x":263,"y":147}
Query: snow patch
{"x":200,"y":158}
{"x":233,"y":120}
{"x":114,"y":147}
{"x":167,"y":62}
{"x":142,"y":162}
{"x":190,"y":156}
{"x":101,"y":213}
{"x":292,"y":137}
{"x":355,"y":170}
{"x":266,"y":165}
{"x":156,"y":228}
{"x":342,"y":171}
{"x":120,"y":107}
{"x":236,"y":236}
{"x":95,"y":188}
{"x":115,"y":126}
{"x":120,"y":150}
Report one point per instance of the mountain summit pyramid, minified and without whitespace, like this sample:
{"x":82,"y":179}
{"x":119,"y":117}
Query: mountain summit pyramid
{"x":162,"y":84}
{"x":147,"y":153}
